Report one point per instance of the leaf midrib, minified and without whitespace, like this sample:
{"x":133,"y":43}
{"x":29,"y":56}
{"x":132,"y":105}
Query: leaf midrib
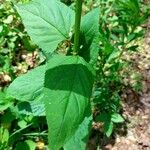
{"x":46,"y":22}
{"x":67,"y":103}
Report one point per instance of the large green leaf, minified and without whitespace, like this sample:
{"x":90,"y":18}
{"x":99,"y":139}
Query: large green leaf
{"x":79,"y":140}
{"x":29,"y":86}
{"x":67,"y":89}
{"x":90,"y":33}
{"x":90,"y":24}
{"x":48,"y":22}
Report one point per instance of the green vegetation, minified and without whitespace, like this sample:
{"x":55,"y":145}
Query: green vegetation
{"x":80,"y":69}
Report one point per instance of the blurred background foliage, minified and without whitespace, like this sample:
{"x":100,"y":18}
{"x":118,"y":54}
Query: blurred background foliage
{"x":14,"y":42}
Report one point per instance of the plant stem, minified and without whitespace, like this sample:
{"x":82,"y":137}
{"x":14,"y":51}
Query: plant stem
{"x":77,"y":26}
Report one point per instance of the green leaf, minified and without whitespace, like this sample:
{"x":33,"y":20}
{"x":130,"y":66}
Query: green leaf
{"x":48,"y":22}
{"x":90,"y":24}
{"x":108,"y":128}
{"x":131,"y":37}
{"x":2,"y":97}
{"x":128,"y":12}
{"x":31,"y":144}
{"x":29,"y":86}
{"x":113,"y":56}
{"x":90,"y":32}
{"x":35,"y":108}
{"x":8,"y":118}
{"x":22,"y":124}
{"x":27,"y":145}
{"x":103,"y":117}
{"x":94,"y":51}
{"x":108,"y":120}
{"x":79,"y":140}
{"x":68,"y":87}
{"x":9,"y":19}
{"x":133,"y":48}
{"x":117,"y":118}
{"x":4,"y":135}
{"x":4,"y":101}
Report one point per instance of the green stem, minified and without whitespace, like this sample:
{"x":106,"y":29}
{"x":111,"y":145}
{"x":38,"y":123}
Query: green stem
{"x":77,"y":25}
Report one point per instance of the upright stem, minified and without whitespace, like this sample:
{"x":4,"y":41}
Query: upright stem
{"x":77,"y":25}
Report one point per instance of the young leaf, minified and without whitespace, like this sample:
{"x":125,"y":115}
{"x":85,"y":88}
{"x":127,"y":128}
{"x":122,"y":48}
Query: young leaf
{"x":67,"y":89}
{"x":4,"y":101}
{"x":108,"y":128}
{"x":115,"y":54}
{"x":48,"y":22}
{"x":4,"y":135}
{"x":133,"y":48}
{"x":108,"y":123}
{"x":29,"y":86}
{"x":117,"y":118}
{"x":79,"y":140}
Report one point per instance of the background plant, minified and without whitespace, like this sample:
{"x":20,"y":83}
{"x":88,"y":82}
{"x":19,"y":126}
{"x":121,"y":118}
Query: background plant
{"x":119,"y":30}
{"x":13,"y":38}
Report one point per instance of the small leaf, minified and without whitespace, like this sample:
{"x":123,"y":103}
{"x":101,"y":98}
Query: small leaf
{"x":31,"y":144}
{"x":27,"y":145}
{"x":22,"y":124}
{"x":131,"y":37}
{"x":108,"y":128}
{"x":117,"y":118}
{"x":48,"y":22}
{"x":2,"y":97}
{"x":4,"y":135}
{"x":133,"y":48}
{"x":29,"y":86}
{"x":9,"y":19}
{"x":5,"y":102}
{"x":68,"y":87}
{"x":115,"y":54}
